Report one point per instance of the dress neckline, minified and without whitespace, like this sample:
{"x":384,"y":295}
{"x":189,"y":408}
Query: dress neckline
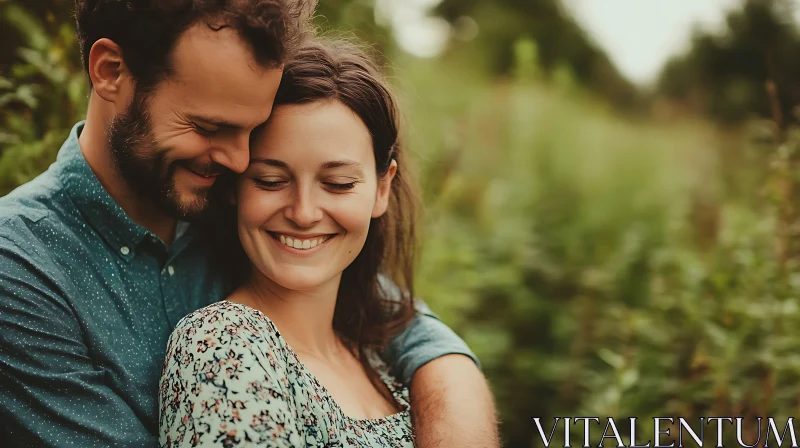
{"x":381,"y":368}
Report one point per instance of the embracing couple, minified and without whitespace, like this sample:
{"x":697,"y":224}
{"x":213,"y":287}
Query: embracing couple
{"x":221,"y":254}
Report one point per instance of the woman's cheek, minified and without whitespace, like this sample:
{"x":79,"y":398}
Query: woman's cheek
{"x":255,"y":206}
{"x":354,"y":215}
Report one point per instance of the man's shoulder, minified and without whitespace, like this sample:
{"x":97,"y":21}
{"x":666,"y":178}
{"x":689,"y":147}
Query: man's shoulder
{"x":32,"y":218}
{"x":32,"y":209}
{"x":32,"y":280}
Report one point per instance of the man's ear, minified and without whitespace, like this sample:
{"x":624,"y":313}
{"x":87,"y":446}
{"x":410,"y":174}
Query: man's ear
{"x":107,"y":70}
{"x":384,"y":190}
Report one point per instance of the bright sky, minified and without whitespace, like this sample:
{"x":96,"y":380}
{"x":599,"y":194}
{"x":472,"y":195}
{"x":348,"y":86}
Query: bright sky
{"x":638,"y":35}
{"x":415,"y":31}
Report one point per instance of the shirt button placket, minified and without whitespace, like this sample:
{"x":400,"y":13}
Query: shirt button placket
{"x":167,"y":293}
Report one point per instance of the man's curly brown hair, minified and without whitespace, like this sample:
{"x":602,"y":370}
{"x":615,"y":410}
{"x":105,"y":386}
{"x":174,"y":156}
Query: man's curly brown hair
{"x":146,"y":30}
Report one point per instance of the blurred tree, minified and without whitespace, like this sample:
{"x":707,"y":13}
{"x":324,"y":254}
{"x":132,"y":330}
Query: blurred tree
{"x":356,"y":17}
{"x":724,"y":75}
{"x":561,"y":42}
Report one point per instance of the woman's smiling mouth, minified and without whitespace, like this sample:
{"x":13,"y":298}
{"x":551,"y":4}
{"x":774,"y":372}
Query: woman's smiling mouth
{"x":301,"y":243}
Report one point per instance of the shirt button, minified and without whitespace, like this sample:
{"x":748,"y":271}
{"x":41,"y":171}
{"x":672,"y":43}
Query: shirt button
{"x":171,"y":270}
{"x":124,"y":250}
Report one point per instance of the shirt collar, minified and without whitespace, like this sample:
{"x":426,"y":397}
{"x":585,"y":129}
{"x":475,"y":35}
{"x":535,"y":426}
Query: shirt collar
{"x":94,"y":203}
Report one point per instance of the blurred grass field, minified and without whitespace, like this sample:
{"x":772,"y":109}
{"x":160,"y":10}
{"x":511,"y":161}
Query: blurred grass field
{"x":600,"y":264}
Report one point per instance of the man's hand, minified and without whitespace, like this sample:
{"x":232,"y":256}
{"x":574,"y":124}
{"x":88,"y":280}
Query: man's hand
{"x":452,"y":406}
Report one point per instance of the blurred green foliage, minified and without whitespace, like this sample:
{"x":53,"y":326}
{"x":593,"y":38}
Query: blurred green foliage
{"x":598,"y":264}
{"x":42,"y":86}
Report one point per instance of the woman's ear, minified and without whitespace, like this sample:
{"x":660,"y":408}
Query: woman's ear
{"x":384,"y":189}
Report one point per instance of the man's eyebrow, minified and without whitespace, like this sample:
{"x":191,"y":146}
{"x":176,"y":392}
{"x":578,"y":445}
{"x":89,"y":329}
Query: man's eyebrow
{"x":270,"y":162}
{"x":214,"y":121}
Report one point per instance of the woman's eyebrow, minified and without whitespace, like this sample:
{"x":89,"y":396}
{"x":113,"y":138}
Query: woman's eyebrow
{"x":270,"y":162}
{"x":340,"y":164}
{"x":325,"y":166}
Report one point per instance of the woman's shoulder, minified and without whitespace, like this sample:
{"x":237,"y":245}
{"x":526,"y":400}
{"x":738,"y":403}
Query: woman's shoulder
{"x":226,"y":368}
{"x":225,"y":316}
{"x":231,"y":326}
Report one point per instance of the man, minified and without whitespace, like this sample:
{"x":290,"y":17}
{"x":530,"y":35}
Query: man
{"x":99,"y":258}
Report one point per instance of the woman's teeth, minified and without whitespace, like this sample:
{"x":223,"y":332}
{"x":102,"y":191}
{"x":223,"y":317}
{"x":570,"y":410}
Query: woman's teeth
{"x":303,"y":244}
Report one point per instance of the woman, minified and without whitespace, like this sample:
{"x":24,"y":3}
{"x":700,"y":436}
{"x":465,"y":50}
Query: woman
{"x":324,"y":211}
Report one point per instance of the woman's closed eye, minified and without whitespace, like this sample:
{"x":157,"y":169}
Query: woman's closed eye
{"x":340,"y":186}
{"x":274,"y":183}
{"x":270,"y":183}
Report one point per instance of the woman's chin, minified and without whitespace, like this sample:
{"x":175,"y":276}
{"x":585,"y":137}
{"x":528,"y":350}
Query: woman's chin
{"x":301,"y":281}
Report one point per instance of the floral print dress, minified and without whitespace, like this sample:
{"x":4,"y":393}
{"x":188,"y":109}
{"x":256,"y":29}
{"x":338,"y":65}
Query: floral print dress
{"x":231,"y":380}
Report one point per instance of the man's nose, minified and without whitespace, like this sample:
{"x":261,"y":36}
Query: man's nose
{"x":233,"y":153}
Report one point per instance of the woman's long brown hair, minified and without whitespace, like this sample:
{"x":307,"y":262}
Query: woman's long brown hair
{"x":375,"y":298}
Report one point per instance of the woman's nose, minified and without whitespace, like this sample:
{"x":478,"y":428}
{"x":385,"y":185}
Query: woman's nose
{"x":304,"y":211}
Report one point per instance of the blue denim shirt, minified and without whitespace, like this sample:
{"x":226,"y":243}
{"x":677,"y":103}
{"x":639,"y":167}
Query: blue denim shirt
{"x":88,"y":299}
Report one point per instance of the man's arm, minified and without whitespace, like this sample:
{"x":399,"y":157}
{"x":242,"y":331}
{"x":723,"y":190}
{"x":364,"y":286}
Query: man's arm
{"x":51,"y":394}
{"x":451,"y":405}
{"x":451,"y":402}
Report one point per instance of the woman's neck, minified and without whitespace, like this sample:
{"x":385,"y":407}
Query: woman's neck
{"x":304,"y":318}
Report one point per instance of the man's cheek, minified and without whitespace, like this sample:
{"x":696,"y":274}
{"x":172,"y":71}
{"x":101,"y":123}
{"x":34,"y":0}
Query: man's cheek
{"x":189,"y":149}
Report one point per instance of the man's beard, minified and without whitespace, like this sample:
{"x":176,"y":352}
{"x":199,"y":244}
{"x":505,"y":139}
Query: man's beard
{"x":143,"y":165}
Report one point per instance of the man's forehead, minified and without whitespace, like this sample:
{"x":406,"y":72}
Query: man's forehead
{"x":217,"y":78}
{"x":201,"y":52}
{"x":225,"y":115}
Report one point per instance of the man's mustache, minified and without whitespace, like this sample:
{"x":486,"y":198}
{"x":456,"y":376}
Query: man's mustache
{"x":205,"y":168}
